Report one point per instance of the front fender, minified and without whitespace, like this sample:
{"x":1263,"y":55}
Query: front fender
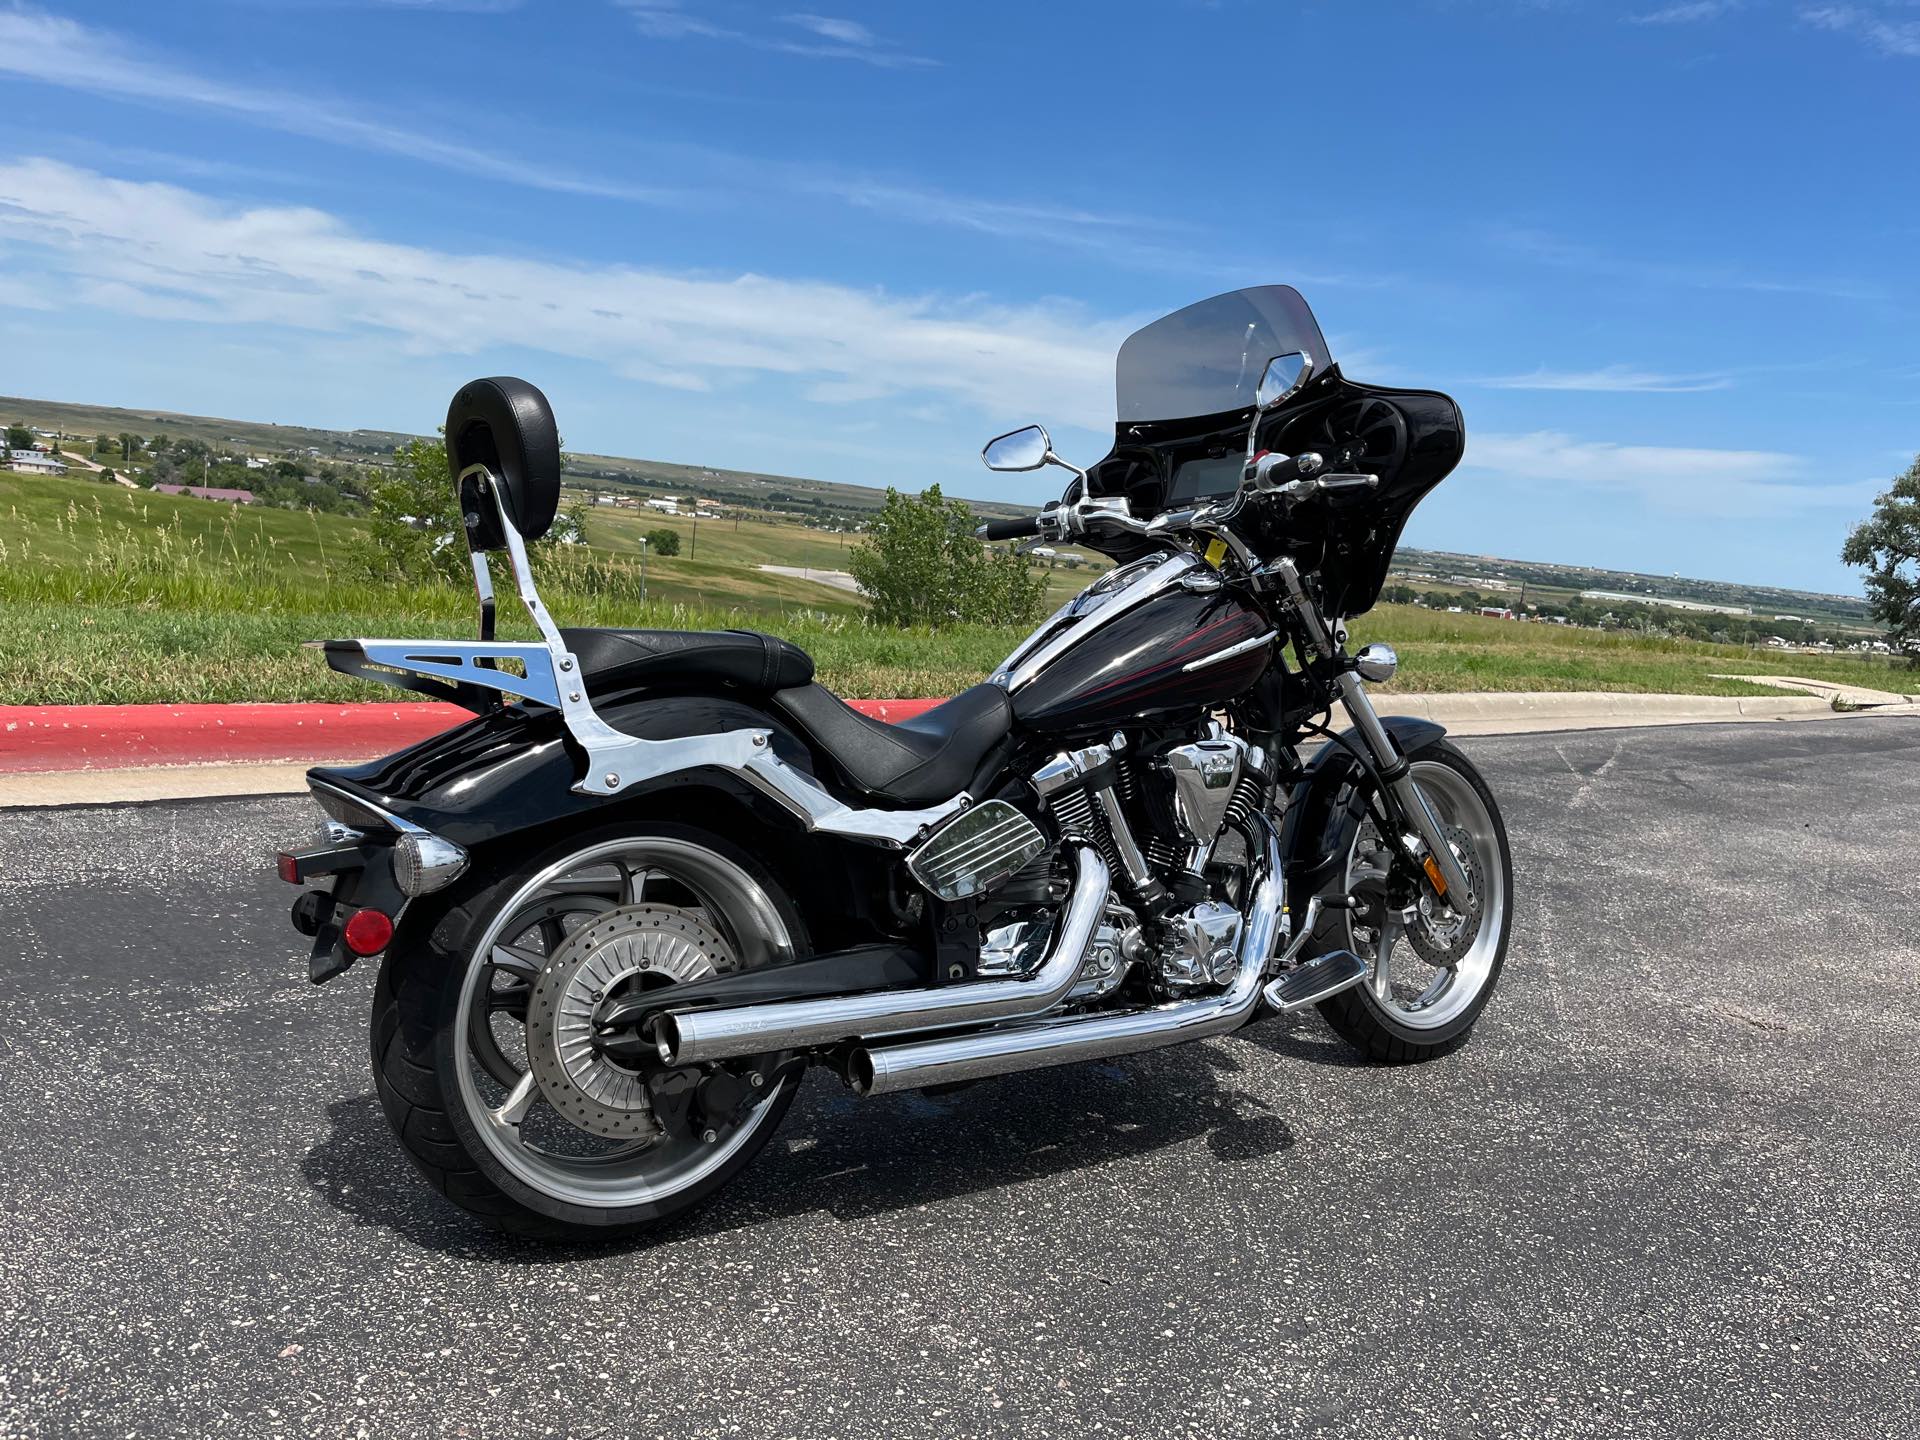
{"x":509,"y":772}
{"x":1326,"y":805}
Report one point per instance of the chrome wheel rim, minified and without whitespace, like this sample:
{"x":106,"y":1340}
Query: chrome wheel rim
{"x":1401,"y":985}
{"x":523,"y":1132}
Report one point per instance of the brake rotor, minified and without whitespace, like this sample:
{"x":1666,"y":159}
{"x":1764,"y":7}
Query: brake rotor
{"x":637,"y":946}
{"x":1439,"y":938}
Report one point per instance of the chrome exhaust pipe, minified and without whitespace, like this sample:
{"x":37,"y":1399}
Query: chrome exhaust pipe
{"x":1067,"y":1039}
{"x":692,"y":1036}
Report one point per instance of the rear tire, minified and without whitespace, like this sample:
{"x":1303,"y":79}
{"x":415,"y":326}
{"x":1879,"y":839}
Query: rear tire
{"x":422,"y":1036}
{"x":1379,"y":1017}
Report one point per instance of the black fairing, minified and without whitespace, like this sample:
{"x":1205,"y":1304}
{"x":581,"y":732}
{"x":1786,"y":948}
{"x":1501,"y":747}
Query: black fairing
{"x":512,"y":770}
{"x":1411,"y":439}
{"x":508,"y":426}
{"x":1135,"y":665}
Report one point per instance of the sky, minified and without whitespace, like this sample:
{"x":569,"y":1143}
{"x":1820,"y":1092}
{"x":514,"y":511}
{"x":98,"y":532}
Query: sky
{"x":1661,"y":253}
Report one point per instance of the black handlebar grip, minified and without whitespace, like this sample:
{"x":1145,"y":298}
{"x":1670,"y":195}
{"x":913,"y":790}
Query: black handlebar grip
{"x":1010,"y":529}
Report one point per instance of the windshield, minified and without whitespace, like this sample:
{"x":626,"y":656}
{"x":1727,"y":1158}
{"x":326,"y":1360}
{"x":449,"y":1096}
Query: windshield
{"x":1207,"y":358}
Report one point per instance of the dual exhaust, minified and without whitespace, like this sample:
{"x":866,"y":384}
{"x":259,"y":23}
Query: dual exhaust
{"x":1023,"y":1036}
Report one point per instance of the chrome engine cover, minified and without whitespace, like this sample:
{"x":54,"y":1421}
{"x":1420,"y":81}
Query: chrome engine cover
{"x":1016,"y":948}
{"x":1204,"y":774}
{"x":1203,"y":946}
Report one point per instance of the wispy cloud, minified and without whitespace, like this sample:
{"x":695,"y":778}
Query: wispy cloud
{"x":1679,"y":480}
{"x":77,"y":238}
{"x":55,"y":50}
{"x":1549,"y":249}
{"x":822,"y":37}
{"x":844,"y":32}
{"x":1611,"y":379}
{"x":1691,"y":12}
{"x":1878,"y":27}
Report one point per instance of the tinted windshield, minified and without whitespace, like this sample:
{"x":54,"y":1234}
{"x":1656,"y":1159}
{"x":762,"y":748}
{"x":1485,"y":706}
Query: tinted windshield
{"x":1207,"y":358}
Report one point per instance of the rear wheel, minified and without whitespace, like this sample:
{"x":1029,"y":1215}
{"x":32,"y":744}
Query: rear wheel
{"x":485,"y":1055}
{"x":1431,"y":971}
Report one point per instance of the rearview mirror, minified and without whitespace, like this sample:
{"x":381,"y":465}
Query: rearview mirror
{"x":1283,"y":379}
{"x":1026,"y":449}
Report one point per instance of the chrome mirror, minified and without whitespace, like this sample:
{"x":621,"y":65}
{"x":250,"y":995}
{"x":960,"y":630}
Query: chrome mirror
{"x":1283,"y":378}
{"x":1027,"y":449}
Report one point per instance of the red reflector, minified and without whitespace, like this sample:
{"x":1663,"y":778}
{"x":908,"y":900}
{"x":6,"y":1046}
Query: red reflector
{"x":368,"y":932}
{"x":289,"y":868}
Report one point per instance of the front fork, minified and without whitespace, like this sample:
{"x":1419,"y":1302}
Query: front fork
{"x":1439,"y":864}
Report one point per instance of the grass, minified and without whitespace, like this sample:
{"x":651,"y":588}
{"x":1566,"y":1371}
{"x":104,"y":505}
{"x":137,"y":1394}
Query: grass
{"x":116,"y":596}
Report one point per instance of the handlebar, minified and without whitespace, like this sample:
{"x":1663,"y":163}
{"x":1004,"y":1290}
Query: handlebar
{"x":1019,"y":529}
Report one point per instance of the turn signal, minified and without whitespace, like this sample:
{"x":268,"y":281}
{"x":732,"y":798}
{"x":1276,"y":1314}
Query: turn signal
{"x":368,"y":932}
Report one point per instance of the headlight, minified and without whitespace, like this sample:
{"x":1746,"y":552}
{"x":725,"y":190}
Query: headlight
{"x":423,"y":863}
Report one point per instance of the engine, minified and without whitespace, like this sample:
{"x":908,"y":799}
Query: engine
{"x":1185,"y":885}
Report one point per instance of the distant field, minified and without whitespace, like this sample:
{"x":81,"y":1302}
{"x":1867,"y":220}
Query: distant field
{"x":110,"y":595}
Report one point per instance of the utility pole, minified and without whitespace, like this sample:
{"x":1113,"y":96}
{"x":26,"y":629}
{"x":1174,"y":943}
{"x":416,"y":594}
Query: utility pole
{"x":643,"y":569}
{"x":693,"y":549}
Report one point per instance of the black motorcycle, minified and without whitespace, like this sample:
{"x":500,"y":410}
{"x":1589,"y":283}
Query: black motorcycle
{"x":660,"y":873}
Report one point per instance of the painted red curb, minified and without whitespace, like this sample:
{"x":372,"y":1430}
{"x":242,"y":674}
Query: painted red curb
{"x":109,"y":737}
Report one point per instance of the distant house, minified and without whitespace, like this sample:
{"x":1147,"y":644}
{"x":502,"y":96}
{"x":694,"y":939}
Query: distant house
{"x":208,"y":492}
{"x":34,"y":462}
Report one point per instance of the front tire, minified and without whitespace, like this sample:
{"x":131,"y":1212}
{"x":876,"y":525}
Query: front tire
{"x":450,"y":1057}
{"x":1410,"y":1009}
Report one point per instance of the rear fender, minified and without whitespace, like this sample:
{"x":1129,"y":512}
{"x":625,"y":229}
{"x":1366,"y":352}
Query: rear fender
{"x":508,"y":773}
{"x":501,"y":786}
{"x":1327,"y":804}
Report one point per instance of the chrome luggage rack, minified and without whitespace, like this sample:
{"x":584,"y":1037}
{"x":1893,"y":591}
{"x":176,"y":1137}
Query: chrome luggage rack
{"x":549,"y":674}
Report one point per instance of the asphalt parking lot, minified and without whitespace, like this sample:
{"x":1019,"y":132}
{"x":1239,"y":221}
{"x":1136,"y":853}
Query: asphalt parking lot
{"x":1669,"y":1189}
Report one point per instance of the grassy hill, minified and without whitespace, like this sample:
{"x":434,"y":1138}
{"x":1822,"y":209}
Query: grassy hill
{"x":109,"y":594}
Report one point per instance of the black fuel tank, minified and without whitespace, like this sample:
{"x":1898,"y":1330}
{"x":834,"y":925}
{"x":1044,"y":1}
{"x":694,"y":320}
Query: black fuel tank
{"x":1175,"y":652}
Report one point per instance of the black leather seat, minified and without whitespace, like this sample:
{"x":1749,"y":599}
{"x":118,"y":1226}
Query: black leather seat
{"x":618,"y":659}
{"x":917,"y":762}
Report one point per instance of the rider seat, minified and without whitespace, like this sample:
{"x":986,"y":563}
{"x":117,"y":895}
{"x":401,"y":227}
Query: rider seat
{"x":921,"y":761}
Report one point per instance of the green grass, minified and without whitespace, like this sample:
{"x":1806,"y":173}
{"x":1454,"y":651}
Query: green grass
{"x":116,"y":596}
{"x":1449,"y":653}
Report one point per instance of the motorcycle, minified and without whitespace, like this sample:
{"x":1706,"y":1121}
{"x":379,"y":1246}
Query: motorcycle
{"x":660,"y":874}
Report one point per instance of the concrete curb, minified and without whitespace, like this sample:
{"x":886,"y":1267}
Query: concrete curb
{"x":1521,"y":712}
{"x":118,"y":754}
{"x":63,"y":738}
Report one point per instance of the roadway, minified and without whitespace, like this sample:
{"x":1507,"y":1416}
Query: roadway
{"x":1668,"y":1189}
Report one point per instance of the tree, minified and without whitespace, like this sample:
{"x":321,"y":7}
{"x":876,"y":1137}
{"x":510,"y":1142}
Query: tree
{"x":415,"y":518}
{"x":416,"y":531}
{"x":1887,"y":547}
{"x":922,"y":565}
{"x":663,"y":541}
{"x":19,"y":437}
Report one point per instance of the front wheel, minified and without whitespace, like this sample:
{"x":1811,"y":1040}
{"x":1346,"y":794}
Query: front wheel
{"x":1431,"y":971}
{"x":485,"y":1054}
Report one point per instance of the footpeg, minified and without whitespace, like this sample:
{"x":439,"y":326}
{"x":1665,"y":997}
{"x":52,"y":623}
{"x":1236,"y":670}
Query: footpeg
{"x":1323,"y":976}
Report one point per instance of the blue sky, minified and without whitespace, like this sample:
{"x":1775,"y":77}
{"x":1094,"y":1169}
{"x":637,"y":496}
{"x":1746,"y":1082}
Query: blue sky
{"x":1661,"y":253}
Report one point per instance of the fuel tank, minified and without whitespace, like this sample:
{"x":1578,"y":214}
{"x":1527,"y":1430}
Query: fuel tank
{"x":1156,"y":637}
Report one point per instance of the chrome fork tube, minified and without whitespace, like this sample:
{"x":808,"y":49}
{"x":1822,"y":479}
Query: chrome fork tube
{"x":1394,"y":770}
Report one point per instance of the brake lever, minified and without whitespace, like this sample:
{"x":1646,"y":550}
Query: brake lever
{"x":1306,"y":489}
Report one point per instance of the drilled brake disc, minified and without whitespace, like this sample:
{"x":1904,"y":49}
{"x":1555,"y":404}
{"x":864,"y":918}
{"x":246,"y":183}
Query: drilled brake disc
{"x":635,"y":947}
{"x":1441,"y":940}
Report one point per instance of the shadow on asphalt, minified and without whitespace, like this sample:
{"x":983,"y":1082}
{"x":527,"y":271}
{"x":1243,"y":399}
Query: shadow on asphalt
{"x":854,"y":1159}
